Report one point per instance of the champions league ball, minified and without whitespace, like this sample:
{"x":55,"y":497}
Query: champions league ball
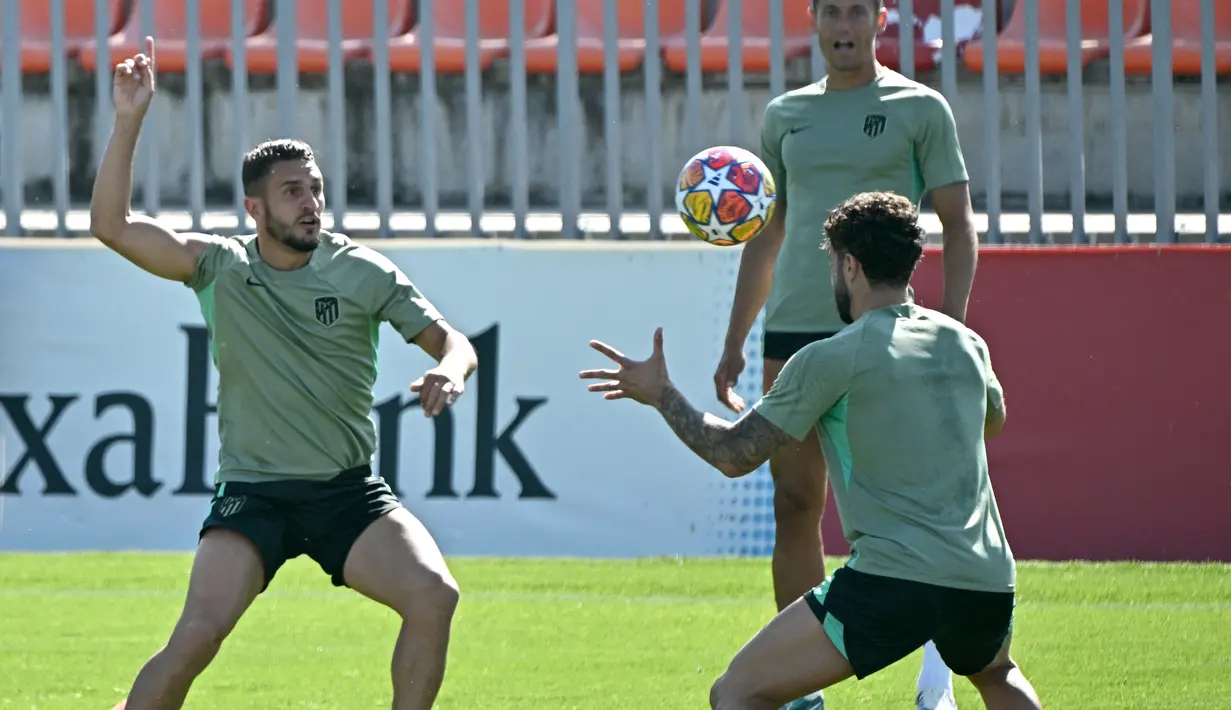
{"x":725,"y":195}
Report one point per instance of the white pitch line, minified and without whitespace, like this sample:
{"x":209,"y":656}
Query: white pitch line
{"x":614,"y":599}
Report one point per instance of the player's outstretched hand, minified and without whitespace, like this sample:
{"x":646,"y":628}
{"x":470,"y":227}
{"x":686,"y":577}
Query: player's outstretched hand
{"x":437,"y":389}
{"x":643,"y":381}
{"x":726,"y":377}
{"x":134,"y":83}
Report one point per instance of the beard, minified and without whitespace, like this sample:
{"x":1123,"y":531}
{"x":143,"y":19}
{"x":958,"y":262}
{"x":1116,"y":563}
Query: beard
{"x":842,"y":299}
{"x":293,"y":235}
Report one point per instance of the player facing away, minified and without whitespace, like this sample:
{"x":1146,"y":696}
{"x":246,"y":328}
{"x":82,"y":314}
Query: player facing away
{"x":900,"y":403}
{"x":293,"y":314}
{"x":863,"y":127}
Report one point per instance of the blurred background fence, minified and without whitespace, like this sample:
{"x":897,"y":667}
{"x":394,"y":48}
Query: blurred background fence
{"x":1081,"y":120}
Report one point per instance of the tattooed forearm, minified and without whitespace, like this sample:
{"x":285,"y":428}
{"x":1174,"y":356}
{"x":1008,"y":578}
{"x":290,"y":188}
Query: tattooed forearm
{"x":735,"y":449}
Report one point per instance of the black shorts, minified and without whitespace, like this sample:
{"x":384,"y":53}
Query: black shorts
{"x":877,"y":621}
{"x":781,"y":346}
{"x":286,"y":519}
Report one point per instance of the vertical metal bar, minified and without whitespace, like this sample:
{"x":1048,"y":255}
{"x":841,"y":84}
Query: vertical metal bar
{"x":337,"y":118}
{"x":653,"y":119}
{"x":1077,"y":120}
{"x":818,"y":59}
{"x":1209,"y":120}
{"x":383,"y":109}
{"x":1164,"y":120}
{"x":288,"y":67}
{"x":151,"y":181}
{"x":906,"y":38}
{"x":195,"y":108}
{"x":103,"y":109}
{"x":948,"y":50}
{"x":427,"y":114}
{"x":239,"y":107}
{"x":59,"y":103}
{"x":991,"y":120}
{"x":520,"y":163}
{"x":568,"y":115}
{"x":692,"y":106}
{"x":10,"y":81}
{"x":611,"y":114}
{"x":475,"y":179}
{"x":1034,"y":124}
{"x":735,"y":72}
{"x":777,"y":51}
{"x":1119,"y":125}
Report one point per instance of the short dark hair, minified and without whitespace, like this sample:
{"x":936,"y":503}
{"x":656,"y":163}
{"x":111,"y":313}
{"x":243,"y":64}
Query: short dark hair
{"x":259,"y":161}
{"x":881,"y":230}
{"x":877,"y":5}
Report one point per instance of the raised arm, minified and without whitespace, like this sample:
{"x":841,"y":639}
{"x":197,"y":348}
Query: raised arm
{"x":143,"y":241}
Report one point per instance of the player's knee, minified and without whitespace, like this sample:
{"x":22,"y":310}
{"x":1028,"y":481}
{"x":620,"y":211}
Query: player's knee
{"x":728,"y":692}
{"x":797,"y":503}
{"x":434,"y":599}
{"x":197,"y":638}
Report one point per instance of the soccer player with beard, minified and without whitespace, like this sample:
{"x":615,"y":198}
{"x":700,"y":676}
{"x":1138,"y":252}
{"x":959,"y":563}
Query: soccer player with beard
{"x":900,"y":402}
{"x":293,"y":314}
{"x":863,"y":127}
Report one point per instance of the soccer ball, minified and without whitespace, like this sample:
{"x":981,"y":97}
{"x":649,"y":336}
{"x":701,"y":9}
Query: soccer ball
{"x":725,"y":195}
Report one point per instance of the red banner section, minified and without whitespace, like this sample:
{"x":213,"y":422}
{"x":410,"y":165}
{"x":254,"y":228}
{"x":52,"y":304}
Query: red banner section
{"x":1116,"y":364}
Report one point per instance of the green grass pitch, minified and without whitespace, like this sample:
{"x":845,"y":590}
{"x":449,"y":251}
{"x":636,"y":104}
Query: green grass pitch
{"x":592,"y":635}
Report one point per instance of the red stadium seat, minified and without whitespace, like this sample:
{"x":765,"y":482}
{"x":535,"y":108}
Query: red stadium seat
{"x":449,"y":34}
{"x":170,"y":32}
{"x":541,"y":53}
{"x":1185,"y":42}
{"x":797,"y":38}
{"x":78,"y":30}
{"x":312,"y":35}
{"x":1053,"y":44}
{"x":928,"y":34}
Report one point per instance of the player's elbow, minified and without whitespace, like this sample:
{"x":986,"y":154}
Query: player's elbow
{"x":736,"y":469}
{"x":993,"y":423}
{"x":106,"y":229}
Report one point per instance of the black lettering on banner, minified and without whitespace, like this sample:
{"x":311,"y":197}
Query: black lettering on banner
{"x":34,"y":438}
{"x":142,"y":440}
{"x":487,"y":443}
{"x":389,"y":414}
{"x":197,"y":410}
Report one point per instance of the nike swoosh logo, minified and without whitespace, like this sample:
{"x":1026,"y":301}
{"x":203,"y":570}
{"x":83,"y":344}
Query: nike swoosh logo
{"x":797,"y":129}
{"x":254,"y":282}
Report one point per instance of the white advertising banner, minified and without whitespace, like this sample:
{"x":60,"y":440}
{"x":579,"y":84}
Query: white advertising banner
{"x":107,"y":393}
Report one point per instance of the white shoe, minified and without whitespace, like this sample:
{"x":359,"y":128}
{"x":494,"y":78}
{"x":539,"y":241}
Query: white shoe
{"x":815,"y":701}
{"x":935,"y":699}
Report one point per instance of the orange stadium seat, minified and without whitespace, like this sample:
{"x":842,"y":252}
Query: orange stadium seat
{"x":1185,"y":42}
{"x":78,"y":30}
{"x":928,"y":33}
{"x":797,"y":38}
{"x":449,"y":34}
{"x":170,"y":32}
{"x":1053,"y":48}
{"x":541,"y":53}
{"x":312,"y":35}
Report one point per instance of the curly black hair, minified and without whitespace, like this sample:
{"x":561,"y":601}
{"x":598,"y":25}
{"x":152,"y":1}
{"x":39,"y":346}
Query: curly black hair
{"x":259,"y":161}
{"x":881,"y":230}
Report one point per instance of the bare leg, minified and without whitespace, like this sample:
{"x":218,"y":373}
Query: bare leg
{"x":1003,"y":686}
{"x":227,"y":574}
{"x":791,"y":657}
{"x":397,"y":563}
{"x":800,"y":480}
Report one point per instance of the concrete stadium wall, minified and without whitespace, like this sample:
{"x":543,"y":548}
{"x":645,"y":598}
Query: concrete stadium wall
{"x":168,"y":121}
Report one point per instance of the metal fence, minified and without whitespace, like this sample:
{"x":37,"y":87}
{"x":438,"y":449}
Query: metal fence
{"x":652,"y":117}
